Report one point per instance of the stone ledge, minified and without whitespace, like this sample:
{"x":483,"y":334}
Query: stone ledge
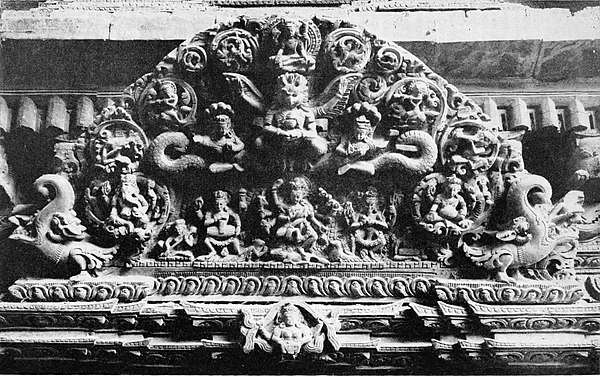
{"x":511,"y":22}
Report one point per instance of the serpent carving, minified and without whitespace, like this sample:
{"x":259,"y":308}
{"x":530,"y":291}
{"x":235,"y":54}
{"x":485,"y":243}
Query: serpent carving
{"x":55,"y":230}
{"x":427,"y":153}
{"x":169,"y":143}
{"x":534,"y":228}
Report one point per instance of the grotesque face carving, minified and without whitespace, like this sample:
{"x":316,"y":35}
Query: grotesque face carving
{"x":293,"y":90}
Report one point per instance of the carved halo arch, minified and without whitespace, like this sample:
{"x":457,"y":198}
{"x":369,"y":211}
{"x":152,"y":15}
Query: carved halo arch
{"x":339,"y":120}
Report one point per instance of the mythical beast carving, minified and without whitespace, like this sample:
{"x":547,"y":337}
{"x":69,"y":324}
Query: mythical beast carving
{"x":56,"y":231}
{"x":532,"y":228}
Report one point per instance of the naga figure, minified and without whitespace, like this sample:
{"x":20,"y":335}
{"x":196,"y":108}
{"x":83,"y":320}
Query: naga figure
{"x":56,"y":231}
{"x":224,"y":150}
{"x":357,"y":150}
{"x":290,"y":131}
{"x":297,"y":219}
{"x":408,"y":149}
{"x":531,"y":230}
{"x":223,"y":227}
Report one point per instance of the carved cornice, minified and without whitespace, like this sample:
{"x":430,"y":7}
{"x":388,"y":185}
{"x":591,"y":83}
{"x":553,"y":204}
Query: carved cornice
{"x":367,"y":285}
{"x":457,"y":316}
{"x":572,"y":318}
{"x":173,"y":5}
{"x":540,"y":353}
{"x":523,"y":292}
{"x":224,"y":319}
{"x":474,"y":351}
{"x":547,"y":354}
{"x":124,"y":289}
{"x":394,"y":5}
{"x":431,"y":316}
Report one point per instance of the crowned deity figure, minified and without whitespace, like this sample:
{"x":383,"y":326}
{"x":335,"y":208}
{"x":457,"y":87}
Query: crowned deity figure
{"x":292,"y":332}
{"x":223,"y":227}
{"x":449,"y":206}
{"x":356,"y":149}
{"x":224,"y":150}
{"x":368,"y":227}
{"x":292,"y":56}
{"x":298,"y":221}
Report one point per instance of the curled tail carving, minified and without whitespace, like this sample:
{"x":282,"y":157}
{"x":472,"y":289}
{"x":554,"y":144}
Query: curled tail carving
{"x":427,"y":153}
{"x":176,"y":142}
{"x":57,"y":233}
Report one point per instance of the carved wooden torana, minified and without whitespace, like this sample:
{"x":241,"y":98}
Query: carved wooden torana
{"x":293,"y":195}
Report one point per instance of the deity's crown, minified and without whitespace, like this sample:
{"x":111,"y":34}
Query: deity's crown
{"x":453,"y":180}
{"x":221,"y":195}
{"x":300,"y":182}
{"x":220,"y":108}
{"x":371,"y":194}
{"x":290,"y":308}
{"x":290,"y":24}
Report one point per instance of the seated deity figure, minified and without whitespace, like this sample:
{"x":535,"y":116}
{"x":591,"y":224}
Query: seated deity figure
{"x":291,"y":38}
{"x":298,"y":219}
{"x":166,"y":103}
{"x":367,"y":228}
{"x":449,"y":206}
{"x":223,"y":148}
{"x":129,"y":209}
{"x":180,"y":239}
{"x":355,"y":150}
{"x":292,"y":332}
{"x":290,"y":131}
{"x":223,"y":226}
